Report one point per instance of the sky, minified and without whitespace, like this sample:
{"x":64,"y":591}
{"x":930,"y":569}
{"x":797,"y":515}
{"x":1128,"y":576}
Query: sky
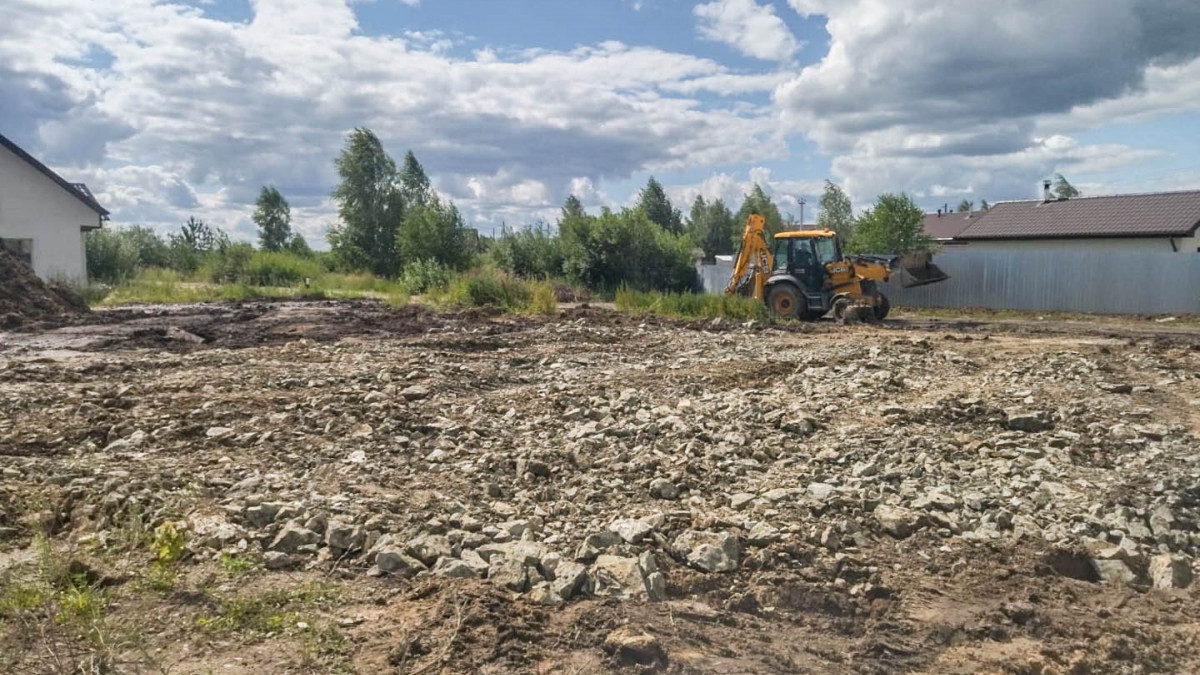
{"x":173,"y":108}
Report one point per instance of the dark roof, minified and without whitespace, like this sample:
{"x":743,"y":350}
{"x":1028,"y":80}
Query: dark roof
{"x":1158,"y":214}
{"x":79,"y":190}
{"x":948,"y":225}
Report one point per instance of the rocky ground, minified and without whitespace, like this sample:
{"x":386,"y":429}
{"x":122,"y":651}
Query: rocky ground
{"x":344,"y":487}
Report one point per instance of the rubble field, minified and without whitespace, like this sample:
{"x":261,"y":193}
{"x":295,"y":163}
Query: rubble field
{"x":347,"y":487}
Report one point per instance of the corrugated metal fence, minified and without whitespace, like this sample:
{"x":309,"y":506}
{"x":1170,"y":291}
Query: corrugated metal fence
{"x":1110,"y":282}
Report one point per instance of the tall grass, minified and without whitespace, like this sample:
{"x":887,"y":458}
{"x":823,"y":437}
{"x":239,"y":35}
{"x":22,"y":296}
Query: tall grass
{"x":691,"y":305}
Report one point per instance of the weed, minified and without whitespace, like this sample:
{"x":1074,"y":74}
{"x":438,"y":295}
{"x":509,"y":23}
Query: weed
{"x":238,"y":564}
{"x":271,"y":612}
{"x":545,"y":300}
{"x":167,"y":543}
{"x":691,"y":305}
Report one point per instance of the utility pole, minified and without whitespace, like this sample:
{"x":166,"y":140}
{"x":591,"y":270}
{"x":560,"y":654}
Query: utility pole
{"x":802,"y":203}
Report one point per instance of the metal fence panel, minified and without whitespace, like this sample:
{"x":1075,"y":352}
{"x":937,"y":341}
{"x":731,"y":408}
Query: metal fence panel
{"x":1108,"y":282}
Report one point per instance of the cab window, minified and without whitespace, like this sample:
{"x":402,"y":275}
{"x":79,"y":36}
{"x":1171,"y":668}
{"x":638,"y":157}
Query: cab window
{"x":826,"y":250}
{"x":781,"y":254}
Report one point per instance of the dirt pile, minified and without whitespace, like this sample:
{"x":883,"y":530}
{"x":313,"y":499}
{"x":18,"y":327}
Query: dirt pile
{"x":25,"y":298}
{"x":511,"y":495}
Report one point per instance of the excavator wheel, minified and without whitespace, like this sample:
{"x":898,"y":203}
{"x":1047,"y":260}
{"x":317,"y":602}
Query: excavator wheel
{"x":882,"y":307}
{"x":784,"y":300}
{"x":840,"y":306}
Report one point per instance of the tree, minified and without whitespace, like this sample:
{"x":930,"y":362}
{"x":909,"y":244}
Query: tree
{"x":984,"y":205}
{"x":625,"y":248}
{"x":757,"y":202}
{"x":653,"y":201}
{"x":434,"y":231}
{"x":711,"y":227}
{"x":1063,"y":189}
{"x":297,"y":245}
{"x":836,"y":212}
{"x":894,"y":225}
{"x":414,"y":184}
{"x":370,"y":204}
{"x":274,"y":219}
{"x":572,"y":208}
{"x":966,"y":206}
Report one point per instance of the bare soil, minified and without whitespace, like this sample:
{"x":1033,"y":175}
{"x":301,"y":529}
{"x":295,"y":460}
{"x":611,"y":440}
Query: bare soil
{"x":293,"y":382}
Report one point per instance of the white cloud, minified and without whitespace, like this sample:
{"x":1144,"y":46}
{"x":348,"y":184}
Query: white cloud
{"x":915,"y":94}
{"x":752,"y":29}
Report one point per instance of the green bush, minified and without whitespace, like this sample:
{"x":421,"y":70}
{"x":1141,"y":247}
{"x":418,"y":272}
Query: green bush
{"x":232,"y":265}
{"x":625,"y":248}
{"x":116,"y":254}
{"x":545,"y":299}
{"x":422,"y":276}
{"x":434,"y":231}
{"x":533,"y":253}
{"x":691,"y":305}
{"x":281,"y":269}
{"x":486,"y":288}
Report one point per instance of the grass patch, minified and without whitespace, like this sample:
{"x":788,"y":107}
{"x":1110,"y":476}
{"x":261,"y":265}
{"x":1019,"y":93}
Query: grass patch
{"x":544,"y":300}
{"x":239,"y":564}
{"x":273,"y":612}
{"x":691,"y":305}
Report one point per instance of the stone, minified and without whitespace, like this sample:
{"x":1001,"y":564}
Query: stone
{"x":708,"y":551}
{"x":1113,"y":571}
{"x":570,"y":579}
{"x":543,"y":594}
{"x":394,"y":561}
{"x":343,"y":536}
{"x":415,"y":393}
{"x":1026,"y":421}
{"x":741,"y":500}
{"x":476,"y":562}
{"x":594,"y":544}
{"x":453,"y":569}
{"x":662,"y":488}
{"x":276,"y":560}
{"x":218,"y":433}
{"x":292,"y":537}
{"x":820,"y":491}
{"x":896,"y":520}
{"x":629,"y":648}
{"x":1161,"y":520}
{"x":429,"y":547}
{"x":763,"y":534}
{"x":618,"y":577}
{"x":1170,"y":571}
{"x":508,"y":573}
{"x":631,"y":530}
{"x":263,"y":514}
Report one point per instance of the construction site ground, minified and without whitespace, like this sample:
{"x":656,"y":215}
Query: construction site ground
{"x":342,"y":487}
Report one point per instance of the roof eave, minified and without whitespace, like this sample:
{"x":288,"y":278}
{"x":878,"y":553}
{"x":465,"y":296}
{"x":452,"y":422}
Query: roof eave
{"x":49,"y":173}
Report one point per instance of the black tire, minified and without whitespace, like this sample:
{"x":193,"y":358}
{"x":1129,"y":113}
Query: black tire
{"x":882,"y":307}
{"x":839,"y":308}
{"x":784,"y":301}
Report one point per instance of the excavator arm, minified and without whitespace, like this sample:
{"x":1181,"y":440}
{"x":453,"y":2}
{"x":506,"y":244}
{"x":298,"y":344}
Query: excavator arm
{"x":754,"y":261}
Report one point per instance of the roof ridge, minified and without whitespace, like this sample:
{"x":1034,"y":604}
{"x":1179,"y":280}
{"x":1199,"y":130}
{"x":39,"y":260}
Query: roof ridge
{"x":86,"y":198}
{"x":1108,"y":196}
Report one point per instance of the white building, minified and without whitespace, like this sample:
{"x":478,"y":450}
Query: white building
{"x":43,"y":217}
{"x":1158,"y":221}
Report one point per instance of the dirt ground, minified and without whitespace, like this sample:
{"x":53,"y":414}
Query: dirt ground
{"x":928,"y":495}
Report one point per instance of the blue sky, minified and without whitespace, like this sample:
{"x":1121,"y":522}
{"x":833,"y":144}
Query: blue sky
{"x":170,"y":109}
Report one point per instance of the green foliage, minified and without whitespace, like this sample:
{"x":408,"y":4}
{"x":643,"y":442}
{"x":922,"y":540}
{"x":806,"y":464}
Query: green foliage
{"x":414,"y":184}
{"x":167,"y":543}
{"x":422,"y":276}
{"x":1063,"y":188}
{"x":966,"y":206}
{"x":545,"y":300}
{"x":489,"y":288}
{"x":116,"y":254}
{"x":837,"y":214}
{"x":895,"y":225}
{"x":239,"y":564}
{"x":712,"y":228}
{"x":534,"y":253}
{"x":691,"y":305}
{"x":757,"y":202}
{"x":229,"y":266}
{"x":280,"y":269}
{"x":370,"y":204}
{"x":653,"y":201}
{"x":273,"y":217}
{"x":434,"y":231}
{"x":984,"y":205}
{"x":572,"y":208}
{"x":271,"y":612}
{"x":298,"y":246}
{"x":625,"y":248}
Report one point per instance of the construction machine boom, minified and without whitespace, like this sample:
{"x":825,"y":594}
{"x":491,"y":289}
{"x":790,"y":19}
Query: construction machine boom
{"x":807,"y":276}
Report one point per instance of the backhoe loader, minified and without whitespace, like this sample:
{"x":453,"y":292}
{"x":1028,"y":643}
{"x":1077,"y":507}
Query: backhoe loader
{"x":808,"y":276}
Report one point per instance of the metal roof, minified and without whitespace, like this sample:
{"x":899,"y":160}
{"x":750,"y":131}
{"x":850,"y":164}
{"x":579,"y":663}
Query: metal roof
{"x":1156,"y":214}
{"x":949,"y":225}
{"x":78,"y":190}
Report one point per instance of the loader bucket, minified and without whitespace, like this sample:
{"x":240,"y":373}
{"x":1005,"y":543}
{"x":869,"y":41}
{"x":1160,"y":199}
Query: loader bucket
{"x":917,"y":269}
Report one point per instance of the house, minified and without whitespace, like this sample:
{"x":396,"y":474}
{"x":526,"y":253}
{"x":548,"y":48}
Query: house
{"x":1158,"y":221}
{"x":43,"y":217}
{"x":944,"y":226}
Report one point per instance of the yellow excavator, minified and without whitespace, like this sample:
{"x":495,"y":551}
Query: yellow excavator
{"x":808,"y":276}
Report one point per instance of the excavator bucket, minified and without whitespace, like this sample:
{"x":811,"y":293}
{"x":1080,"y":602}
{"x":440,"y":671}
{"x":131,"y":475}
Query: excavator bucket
{"x":917,"y":269}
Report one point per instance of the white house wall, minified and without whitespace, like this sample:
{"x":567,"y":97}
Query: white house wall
{"x":35,"y":207}
{"x":1144,"y":245}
